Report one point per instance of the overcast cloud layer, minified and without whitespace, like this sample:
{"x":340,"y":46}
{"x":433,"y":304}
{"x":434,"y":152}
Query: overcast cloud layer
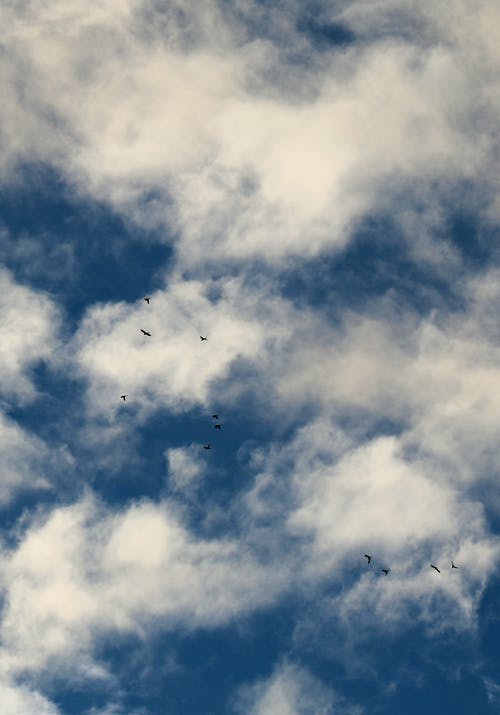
{"x":313,"y":187}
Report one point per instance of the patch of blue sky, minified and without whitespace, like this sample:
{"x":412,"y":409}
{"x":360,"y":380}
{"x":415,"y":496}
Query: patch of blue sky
{"x":176,"y":671}
{"x":76,"y":249}
{"x":379,"y":262}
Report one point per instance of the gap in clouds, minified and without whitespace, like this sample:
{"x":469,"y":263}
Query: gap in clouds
{"x":430,"y":671}
{"x":227,"y":470}
{"x":187,"y":673}
{"x":379,"y":262}
{"x":78,"y":250}
{"x":325,"y":35}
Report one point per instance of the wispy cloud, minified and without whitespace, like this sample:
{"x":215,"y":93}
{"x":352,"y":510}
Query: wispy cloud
{"x":291,"y":690}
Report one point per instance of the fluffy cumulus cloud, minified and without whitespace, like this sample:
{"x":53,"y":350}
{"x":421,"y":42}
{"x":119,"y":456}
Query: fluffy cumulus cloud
{"x":436,"y":377}
{"x":172,"y":114}
{"x":85,"y":571}
{"x":172,"y":366}
{"x":343,"y":498}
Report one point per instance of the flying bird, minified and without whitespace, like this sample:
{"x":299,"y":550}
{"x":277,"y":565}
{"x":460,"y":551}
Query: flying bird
{"x":147,"y":300}
{"x":435,"y":568}
{"x":368,"y":557}
{"x":453,"y":565}
{"x":207,"y":446}
{"x":386,"y":571}
{"x":202,"y":338}
{"x":217,"y":427}
{"x":124,"y":397}
{"x":145,"y":332}
{"x":215,"y":417}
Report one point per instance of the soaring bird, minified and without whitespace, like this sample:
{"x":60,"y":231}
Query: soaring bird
{"x":215,"y":417}
{"x":202,"y":338}
{"x":217,"y":426}
{"x":453,"y":565}
{"x":368,"y":557}
{"x":207,"y":446}
{"x":435,"y":568}
{"x":124,"y":397}
{"x":386,"y":571}
{"x":145,"y":332}
{"x":147,"y":300}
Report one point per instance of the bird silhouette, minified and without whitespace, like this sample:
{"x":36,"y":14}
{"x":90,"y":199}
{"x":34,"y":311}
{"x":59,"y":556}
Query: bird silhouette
{"x":147,"y":300}
{"x":145,"y":332}
{"x":453,"y":565}
{"x":368,"y":557}
{"x":217,"y":427}
{"x":202,"y":338}
{"x":435,"y":568}
{"x":215,"y":417}
{"x":124,"y":397}
{"x":385,"y":571}
{"x":207,"y":446}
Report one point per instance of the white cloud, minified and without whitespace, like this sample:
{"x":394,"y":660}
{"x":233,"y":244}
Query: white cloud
{"x":185,"y":468}
{"x":241,"y":162}
{"x":346,"y":499}
{"x":19,"y":700}
{"x":292,"y":690}
{"x":86,"y":572}
{"x":29,"y":322}
{"x":173,"y":367}
{"x":434,"y":377}
{"x":23,"y":461}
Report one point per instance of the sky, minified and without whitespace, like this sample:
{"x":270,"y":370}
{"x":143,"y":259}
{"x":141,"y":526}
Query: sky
{"x":313,"y":187}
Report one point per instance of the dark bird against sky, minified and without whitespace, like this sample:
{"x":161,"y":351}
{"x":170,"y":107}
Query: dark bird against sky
{"x":145,"y":332}
{"x":453,"y":565}
{"x":207,"y":446}
{"x":202,"y":338}
{"x":368,"y":557}
{"x":385,"y":571}
{"x":147,"y":300}
{"x":435,"y":568}
{"x":124,"y":397}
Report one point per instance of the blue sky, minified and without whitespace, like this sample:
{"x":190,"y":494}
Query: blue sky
{"x":312,"y":186}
